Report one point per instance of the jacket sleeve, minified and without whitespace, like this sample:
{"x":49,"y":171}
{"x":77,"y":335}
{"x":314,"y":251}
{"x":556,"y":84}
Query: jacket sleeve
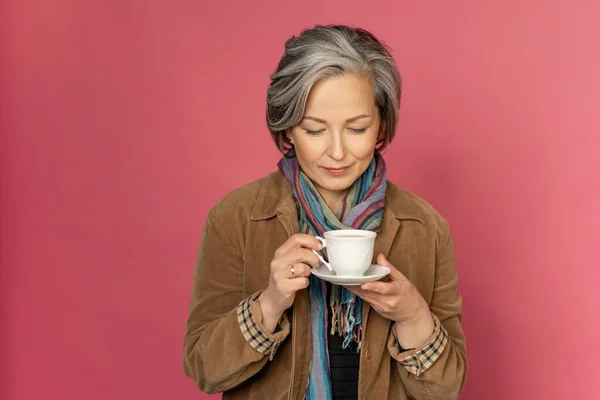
{"x":438,"y":370}
{"x":225,"y":341}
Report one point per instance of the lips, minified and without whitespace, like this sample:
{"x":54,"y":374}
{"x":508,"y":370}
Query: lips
{"x":337,"y":171}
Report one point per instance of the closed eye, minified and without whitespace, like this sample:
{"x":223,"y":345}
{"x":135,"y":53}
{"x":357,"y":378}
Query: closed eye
{"x":362,"y":130}
{"x":313,"y":132}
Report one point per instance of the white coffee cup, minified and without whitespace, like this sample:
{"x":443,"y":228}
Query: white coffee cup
{"x":350,"y":251}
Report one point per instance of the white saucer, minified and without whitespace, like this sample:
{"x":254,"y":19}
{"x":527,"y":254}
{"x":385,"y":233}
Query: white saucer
{"x":374,"y":273}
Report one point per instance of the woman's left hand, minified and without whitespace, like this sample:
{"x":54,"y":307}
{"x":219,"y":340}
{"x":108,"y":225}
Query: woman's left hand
{"x":398,"y":300}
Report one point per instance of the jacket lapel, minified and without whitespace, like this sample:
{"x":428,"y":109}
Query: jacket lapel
{"x":383,"y":243}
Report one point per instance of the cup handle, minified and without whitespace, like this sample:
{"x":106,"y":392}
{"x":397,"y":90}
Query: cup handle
{"x":320,"y":239}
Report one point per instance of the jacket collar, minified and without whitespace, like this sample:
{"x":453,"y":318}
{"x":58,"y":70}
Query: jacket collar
{"x":275,"y":196}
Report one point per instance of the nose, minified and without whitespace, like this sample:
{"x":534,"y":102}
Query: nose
{"x":336,"y":149}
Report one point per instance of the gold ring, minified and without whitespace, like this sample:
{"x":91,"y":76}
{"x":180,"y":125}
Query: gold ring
{"x":292,"y":271}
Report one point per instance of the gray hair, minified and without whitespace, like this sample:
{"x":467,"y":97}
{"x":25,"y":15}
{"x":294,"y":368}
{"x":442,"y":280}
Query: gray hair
{"x":323,"y":52}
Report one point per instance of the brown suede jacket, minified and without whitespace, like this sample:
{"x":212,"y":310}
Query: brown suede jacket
{"x":240,"y":237}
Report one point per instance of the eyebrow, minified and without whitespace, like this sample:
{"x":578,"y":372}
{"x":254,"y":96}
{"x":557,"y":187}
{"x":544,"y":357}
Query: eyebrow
{"x":348,"y":120}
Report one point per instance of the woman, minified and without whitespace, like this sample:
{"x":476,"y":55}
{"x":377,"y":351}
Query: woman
{"x":261,"y":325}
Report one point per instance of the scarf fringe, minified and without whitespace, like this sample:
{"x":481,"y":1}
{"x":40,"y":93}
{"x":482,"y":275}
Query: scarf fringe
{"x":346,"y":318}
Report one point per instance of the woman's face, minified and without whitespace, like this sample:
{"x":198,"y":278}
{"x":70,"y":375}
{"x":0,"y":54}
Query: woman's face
{"x":335,"y":141}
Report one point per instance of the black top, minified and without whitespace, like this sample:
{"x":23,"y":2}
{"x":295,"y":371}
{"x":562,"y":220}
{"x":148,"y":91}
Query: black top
{"x":343,"y":364}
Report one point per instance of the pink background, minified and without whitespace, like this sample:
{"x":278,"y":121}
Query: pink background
{"x":123,"y":121}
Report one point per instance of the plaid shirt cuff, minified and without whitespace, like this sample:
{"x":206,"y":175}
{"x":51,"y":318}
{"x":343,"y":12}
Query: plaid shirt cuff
{"x":249,"y":316}
{"x":417,"y":361}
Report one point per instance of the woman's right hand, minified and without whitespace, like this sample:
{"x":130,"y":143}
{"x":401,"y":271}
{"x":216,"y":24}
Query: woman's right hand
{"x":296,"y":252}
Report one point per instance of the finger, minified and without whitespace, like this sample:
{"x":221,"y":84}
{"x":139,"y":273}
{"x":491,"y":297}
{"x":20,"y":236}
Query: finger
{"x":299,"y":255}
{"x":394,"y":273}
{"x":300,"y":270}
{"x":357,"y":291}
{"x":374,"y":299}
{"x":298,"y":240}
{"x":384,"y":288}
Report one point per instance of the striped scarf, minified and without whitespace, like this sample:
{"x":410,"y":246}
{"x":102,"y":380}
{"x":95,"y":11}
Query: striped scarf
{"x":362,"y":208}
